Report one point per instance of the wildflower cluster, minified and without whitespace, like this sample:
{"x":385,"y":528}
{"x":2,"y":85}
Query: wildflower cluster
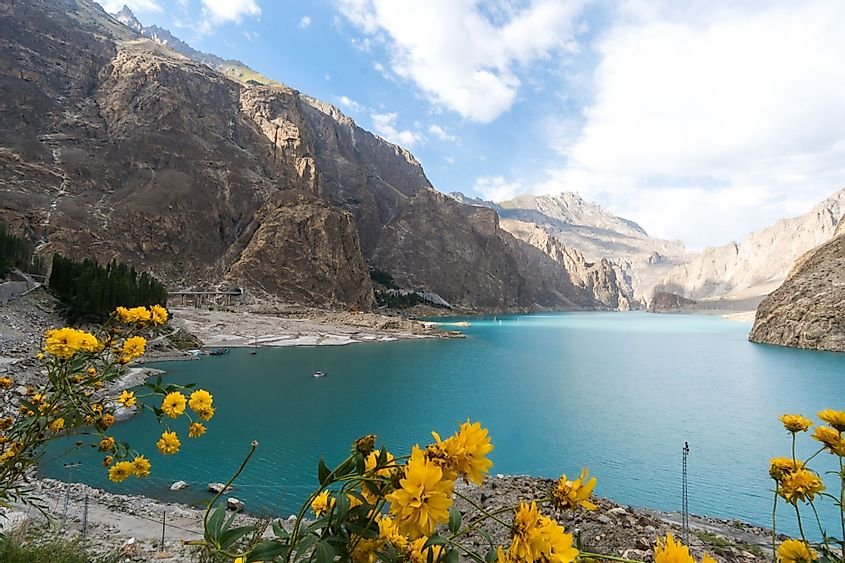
{"x":81,"y":369}
{"x":799,"y":485}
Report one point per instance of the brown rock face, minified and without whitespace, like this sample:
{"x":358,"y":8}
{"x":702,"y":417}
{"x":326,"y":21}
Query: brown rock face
{"x":808,"y":310}
{"x":304,"y":250}
{"x":113,"y":146}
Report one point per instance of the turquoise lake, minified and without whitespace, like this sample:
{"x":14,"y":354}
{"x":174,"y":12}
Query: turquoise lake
{"x":618,"y":393}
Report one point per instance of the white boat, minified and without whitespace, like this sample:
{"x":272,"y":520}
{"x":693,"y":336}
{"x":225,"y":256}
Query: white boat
{"x":319,"y":374}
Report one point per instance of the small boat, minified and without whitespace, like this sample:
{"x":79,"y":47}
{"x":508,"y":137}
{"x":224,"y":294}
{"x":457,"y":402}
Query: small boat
{"x":319,"y":374}
{"x":218,"y":352}
{"x":254,"y":350}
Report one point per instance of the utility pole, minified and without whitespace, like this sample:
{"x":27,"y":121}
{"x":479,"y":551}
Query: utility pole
{"x":70,"y":467}
{"x":685,"y":496}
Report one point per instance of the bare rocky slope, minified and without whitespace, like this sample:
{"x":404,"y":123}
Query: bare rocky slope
{"x":808,"y":310}
{"x":760,"y":262}
{"x":115,"y":146}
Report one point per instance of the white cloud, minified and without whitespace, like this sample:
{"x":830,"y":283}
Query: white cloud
{"x":464,"y":56}
{"x":304,"y":22}
{"x":385,"y":125}
{"x":441,"y":133}
{"x":349,"y":104}
{"x":712,"y":120}
{"x":138,"y":6}
{"x":496,"y":188}
{"x":218,"y":12}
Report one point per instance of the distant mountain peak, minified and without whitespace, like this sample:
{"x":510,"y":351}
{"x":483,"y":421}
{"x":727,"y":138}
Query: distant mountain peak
{"x":127,"y":18}
{"x":231,"y":69}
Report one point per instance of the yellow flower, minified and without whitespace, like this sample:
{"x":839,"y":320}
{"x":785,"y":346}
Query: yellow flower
{"x":528,"y":541}
{"x":835,"y":418}
{"x":322,"y":504}
{"x":561,"y":549}
{"x":205,"y":413}
{"x":796,"y":422}
{"x":800,"y":485}
{"x":107,"y":420}
{"x":106,"y":444}
{"x":389,"y":531}
{"x":423,"y":499}
{"x":6,"y":382}
{"x":127,"y":399}
{"x":168,"y":443}
{"x":365,"y":550}
{"x":57,"y":425}
{"x":670,"y":551}
{"x":416,"y":553}
{"x":6,"y":423}
{"x":464,"y":453}
{"x":134,"y":315}
{"x":65,"y":342}
{"x":370,"y":463}
{"x":159,"y":314}
{"x":200,"y":399}
{"x":107,"y":460}
{"x":831,"y":439}
{"x":571,"y":494}
{"x":120,"y":471}
{"x":779,"y":467}
{"x":796,"y":551}
{"x":195,"y":430}
{"x":141,"y":467}
{"x":173,"y":404}
{"x":91,"y":371}
{"x":132,"y":348}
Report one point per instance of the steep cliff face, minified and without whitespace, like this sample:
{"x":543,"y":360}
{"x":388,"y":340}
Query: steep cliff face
{"x":114,"y":146}
{"x":561,"y":269}
{"x":600,"y":236}
{"x":808,"y":310}
{"x":304,"y":250}
{"x":759,"y":263}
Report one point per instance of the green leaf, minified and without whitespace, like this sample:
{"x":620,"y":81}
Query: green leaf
{"x":435,"y":539}
{"x":323,"y":473}
{"x":345,"y":468}
{"x":454,"y":520}
{"x":359,"y":464}
{"x":486,"y":535}
{"x":229,"y":537}
{"x":215,"y":524}
{"x":304,"y":544}
{"x":279,"y":530}
{"x":267,"y":551}
{"x":491,"y":556}
{"x":341,"y":507}
{"x":451,"y":556}
{"x":324,"y":552}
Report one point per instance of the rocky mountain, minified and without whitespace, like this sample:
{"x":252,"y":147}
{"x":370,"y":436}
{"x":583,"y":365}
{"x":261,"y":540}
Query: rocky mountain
{"x":598,"y":235}
{"x":808,"y":309}
{"x":760,"y":262}
{"x":115,"y":146}
{"x":233,"y":69}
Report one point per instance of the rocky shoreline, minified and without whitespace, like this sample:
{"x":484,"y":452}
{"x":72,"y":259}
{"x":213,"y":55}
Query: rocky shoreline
{"x":133,"y":524}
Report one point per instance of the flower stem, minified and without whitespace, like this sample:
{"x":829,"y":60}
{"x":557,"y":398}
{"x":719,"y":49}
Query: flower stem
{"x":821,"y":530}
{"x":842,"y":506}
{"x":800,"y":525}
{"x":483,"y":510}
{"x":587,"y":554}
{"x":774,"y":525}
{"x":253,"y":445}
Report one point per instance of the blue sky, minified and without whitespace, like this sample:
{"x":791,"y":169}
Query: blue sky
{"x":702,"y":120}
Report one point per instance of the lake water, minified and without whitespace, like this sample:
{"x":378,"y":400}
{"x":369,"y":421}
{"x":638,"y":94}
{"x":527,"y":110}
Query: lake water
{"x":618,"y":393}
